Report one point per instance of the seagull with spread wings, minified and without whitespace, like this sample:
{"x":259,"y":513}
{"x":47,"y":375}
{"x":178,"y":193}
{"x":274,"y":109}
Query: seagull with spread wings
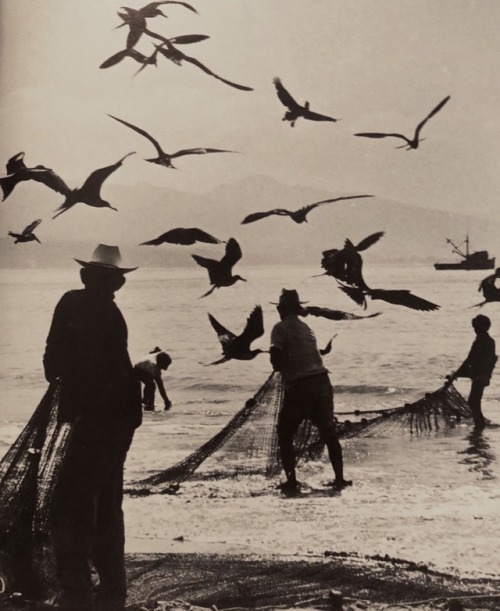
{"x":295,"y":110}
{"x":18,"y":172}
{"x":346,"y":264}
{"x":90,"y":192}
{"x":135,"y":19}
{"x":165,"y":159}
{"x":220,"y":272}
{"x":299,"y":216}
{"x":238,"y":346}
{"x":27,"y":234}
{"x":402,"y":297}
{"x":411,"y":143}
{"x":184,"y":236}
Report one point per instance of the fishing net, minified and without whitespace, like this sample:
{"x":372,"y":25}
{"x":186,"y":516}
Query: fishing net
{"x":248,"y":444}
{"x":28,"y":475}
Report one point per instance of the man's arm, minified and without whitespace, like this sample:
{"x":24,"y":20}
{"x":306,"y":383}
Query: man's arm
{"x":276,"y":355}
{"x":59,"y":341}
{"x":162,"y":391}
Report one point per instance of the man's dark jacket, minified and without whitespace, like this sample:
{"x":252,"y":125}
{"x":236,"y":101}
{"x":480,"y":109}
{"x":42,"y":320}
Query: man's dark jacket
{"x":87,"y":349}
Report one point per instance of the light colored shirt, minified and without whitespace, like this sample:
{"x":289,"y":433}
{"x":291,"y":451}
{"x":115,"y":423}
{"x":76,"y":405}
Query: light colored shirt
{"x":148,"y":364}
{"x":296,"y":340}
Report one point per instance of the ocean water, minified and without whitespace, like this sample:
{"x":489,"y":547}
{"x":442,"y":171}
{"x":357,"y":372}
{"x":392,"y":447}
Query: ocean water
{"x":431,"y":498}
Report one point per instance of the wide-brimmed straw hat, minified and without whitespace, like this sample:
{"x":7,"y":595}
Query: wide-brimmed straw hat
{"x":108,"y":257}
{"x":289,"y":298}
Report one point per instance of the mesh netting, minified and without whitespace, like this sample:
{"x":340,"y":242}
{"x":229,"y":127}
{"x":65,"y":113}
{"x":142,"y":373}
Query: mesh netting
{"x":248,"y":444}
{"x":28,"y":475}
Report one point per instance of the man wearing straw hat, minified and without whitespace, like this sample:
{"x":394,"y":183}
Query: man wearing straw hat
{"x":100,"y":396}
{"x":308,"y":391}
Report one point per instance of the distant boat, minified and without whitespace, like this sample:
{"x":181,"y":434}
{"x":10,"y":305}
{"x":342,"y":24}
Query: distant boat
{"x":470,"y":260}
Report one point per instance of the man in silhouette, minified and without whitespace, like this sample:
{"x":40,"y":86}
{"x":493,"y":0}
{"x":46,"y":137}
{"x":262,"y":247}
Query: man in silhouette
{"x":478,"y":366}
{"x":148,"y":371}
{"x":100,"y":396}
{"x":308,"y":391}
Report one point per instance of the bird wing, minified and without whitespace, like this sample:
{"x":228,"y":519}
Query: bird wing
{"x":314,"y":116}
{"x":335,"y":314}
{"x":184,"y":237}
{"x":356,"y":294}
{"x":225,"y":336}
{"x":284,"y":96}
{"x":254,"y":327}
{"x":31,"y":227}
{"x":95,"y":180}
{"x":198,"y":151}
{"x":204,"y":261}
{"x":136,"y":30}
{"x":15,"y":164}
{"x":154,"y":142}
{"x":431,"y":114}
{"x":330,"y":201}
{"x":328,"y":348}
{"x":369,"y":241}
{"x":198,"y":64}
{"x":380,"y":135}
{"x":256,"y":216}
{"x":233,"y":253}
{"x":187,"y":39}
{"x":114,"y":59}
{"x":403,"y":298}
{"x":50,"y":179}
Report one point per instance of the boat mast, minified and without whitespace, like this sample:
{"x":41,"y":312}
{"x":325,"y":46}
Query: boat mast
{"x":457,"y":250}
{"x":467,"y":245}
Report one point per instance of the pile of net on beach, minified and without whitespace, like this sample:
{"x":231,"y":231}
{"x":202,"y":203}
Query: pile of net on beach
{"x":248,"y":444}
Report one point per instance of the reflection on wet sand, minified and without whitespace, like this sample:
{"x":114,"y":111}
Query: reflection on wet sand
{"x":478,"y":455}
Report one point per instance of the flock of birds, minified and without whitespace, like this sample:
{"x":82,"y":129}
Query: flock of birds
{"x":344,"y":264}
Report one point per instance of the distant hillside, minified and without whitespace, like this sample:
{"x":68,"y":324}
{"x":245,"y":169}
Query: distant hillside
{"x":411,"y":233}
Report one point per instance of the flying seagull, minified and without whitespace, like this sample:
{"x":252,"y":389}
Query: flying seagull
{"x":165,"y":159}
{"x":136,"y":18}
{"x":489,"y":289}
{"x":90,"y":192}
{"x":18,"y":172}
{"x":183,"y":236}
{"x":238,"y":346}
{"x":220,"y":272}
{"x":346,"y":264}
{"x":27,"y":234}
{"x":410,"y":143}
{"x":335,"y":314}
{"x":400,"y":297}
{"x":299,"y":216}
{"x":295,"y":110}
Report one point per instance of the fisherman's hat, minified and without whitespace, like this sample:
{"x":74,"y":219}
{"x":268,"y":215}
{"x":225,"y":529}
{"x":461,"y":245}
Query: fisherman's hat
{"x":108,"y":257}
{"x":289,"y":298}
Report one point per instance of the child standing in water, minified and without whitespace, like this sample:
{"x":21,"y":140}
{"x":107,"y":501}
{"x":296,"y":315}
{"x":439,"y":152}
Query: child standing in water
{"x":148,"y":371}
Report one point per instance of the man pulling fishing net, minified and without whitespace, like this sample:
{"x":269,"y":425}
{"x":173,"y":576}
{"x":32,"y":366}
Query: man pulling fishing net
{"x":308,"y":393}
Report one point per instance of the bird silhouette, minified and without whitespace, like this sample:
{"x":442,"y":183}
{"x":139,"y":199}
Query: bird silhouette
{"x":346,"y":264}
{"x":411,"y":143}
{"x":135,"y":19}
{"x":488,"y":288}
{"x":400,"y":297}
{"x":335,"y":314}
{"x":133,"y":54}
{"x":238,"y":346}
{"x":183,"y":236}
{"x":220,"y":272}
{"x":90,"y":192}
{"x":18,"y":172}
{"x":299,"y":216}
{"x":167,"y":49}
{"x":295,"y":110}
{"x":27,"y":234}
{"x":165,"y":159}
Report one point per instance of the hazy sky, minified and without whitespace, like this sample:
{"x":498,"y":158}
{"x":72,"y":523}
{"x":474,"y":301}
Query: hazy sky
{"x":379,"y":65}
